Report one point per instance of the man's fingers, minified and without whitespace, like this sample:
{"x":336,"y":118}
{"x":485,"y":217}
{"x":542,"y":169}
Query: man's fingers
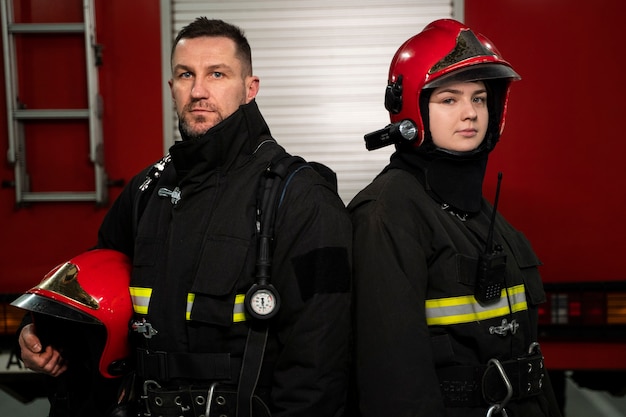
{"x":36,"y":347}
{"x":29,"y":339}
{"x":46,"y":360}
{"x":59,"y":367}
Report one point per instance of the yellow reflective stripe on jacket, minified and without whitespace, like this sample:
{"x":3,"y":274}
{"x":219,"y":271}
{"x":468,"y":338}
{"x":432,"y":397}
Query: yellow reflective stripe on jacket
{"x":141,"y":299}
{"x":465,"y":309}
{"x":190,"y":298}
{"x":238,"y":310}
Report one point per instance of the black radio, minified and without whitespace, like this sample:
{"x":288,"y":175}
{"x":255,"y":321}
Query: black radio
{"x":491,"y":263}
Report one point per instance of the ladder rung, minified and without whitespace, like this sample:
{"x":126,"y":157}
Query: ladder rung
{"x":58,"y":196}
{"x":46,"y":27}
{"x":51,"y":114}
{"x":12,"y":33}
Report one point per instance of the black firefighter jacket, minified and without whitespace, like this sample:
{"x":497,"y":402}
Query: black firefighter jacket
{"x":414,"y":271}
{"x":194,"y":255}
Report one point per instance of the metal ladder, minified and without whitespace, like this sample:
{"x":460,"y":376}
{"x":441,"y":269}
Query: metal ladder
{"x":17,"y":116}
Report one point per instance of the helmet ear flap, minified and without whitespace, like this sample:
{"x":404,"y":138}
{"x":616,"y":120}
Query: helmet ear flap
{"x":393,"y":96}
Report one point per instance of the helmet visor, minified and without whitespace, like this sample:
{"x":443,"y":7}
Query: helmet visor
{"x":475,"y":73}
{"x":39,"y":304}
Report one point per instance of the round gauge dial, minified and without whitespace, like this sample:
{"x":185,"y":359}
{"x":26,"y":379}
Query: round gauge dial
{"x":262,"y":301}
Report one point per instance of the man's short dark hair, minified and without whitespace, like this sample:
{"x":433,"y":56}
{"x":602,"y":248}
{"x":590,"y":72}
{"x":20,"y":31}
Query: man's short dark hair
{"x":203,"y":26}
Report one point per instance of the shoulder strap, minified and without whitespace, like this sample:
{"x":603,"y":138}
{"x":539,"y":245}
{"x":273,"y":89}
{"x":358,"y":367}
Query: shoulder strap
{"x":272,"y":185}
{"x":268,"y":201}
{"x":272,"y":189}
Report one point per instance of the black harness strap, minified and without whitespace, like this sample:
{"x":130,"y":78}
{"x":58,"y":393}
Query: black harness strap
{"x":270,"y":186}
{"x":251,"y":368}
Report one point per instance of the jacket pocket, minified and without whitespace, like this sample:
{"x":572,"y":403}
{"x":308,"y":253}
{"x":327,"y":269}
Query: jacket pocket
{"x":465,"y":268}
{"x":221,"y":266}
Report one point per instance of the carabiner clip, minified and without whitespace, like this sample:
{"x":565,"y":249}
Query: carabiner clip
{"x":499,"y":408}
{"x":534,"y":348}
{"x":495,"y":409}
{"x":146,"y":385}
{"x":209,"y":399}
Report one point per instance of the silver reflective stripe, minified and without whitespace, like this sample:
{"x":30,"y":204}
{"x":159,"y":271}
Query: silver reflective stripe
{"x":238,"y":310}
{"x":465,"y":309}
{"x":141,"y":299}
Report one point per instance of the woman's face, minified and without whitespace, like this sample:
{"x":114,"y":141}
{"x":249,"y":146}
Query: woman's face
{"x":458,"y":115}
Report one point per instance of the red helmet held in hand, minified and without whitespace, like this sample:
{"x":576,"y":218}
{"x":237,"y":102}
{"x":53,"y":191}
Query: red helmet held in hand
{"x":92,"y":289}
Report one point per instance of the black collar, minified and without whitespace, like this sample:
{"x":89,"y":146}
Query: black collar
{"x":451,"y":181}
{"x":237,"y":135}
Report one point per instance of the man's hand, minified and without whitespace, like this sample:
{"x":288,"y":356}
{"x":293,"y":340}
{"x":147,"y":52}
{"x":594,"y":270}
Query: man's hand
{"x":48,"y":361}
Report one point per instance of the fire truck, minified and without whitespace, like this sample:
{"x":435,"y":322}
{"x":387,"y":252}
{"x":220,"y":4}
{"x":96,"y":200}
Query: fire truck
{"x":71,"y":143}
{"x":82,"y":114}
{"x":563,"y":177}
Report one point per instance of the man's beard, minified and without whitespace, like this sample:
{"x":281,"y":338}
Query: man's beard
{"x":187,"y":130}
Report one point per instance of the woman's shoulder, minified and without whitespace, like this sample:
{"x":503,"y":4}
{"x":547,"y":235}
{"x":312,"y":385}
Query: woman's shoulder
{"x":393,"y":188}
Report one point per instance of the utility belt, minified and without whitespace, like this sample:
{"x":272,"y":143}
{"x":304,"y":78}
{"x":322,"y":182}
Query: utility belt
{"x":174,"y":384}
{"x":494,"y":384}
{"x":217,"y":400}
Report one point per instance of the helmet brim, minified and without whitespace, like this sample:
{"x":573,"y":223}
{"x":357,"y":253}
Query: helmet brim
{"x":476,"y":72}
{"x":39,"y":304}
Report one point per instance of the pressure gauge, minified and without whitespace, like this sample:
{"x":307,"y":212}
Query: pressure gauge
{"x":262,"y":301}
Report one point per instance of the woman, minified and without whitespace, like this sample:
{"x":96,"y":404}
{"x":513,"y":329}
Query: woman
{"x":446,"y":311}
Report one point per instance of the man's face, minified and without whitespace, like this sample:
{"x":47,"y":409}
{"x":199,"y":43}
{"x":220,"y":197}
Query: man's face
{"x":208,"y":83}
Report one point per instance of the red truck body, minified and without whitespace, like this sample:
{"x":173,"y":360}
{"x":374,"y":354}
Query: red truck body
{"x":561,"y":155}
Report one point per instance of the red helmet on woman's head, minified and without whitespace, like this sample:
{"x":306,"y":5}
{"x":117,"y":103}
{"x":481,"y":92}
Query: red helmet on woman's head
{"x":446,"y":50}
{"x":91,"y":288}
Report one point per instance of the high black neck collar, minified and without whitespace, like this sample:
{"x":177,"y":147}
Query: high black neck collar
{"x":449,"y":180}
{"x":237,"y":135}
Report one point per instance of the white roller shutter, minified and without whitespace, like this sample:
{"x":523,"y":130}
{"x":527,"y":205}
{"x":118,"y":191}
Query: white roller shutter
{"x":323,"y":68}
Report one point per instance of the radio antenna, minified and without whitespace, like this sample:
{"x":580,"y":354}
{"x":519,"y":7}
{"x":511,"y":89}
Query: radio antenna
{"x":493,"y":216}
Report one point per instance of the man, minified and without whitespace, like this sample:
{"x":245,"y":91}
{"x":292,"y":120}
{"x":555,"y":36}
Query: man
{"x":189,"y":224}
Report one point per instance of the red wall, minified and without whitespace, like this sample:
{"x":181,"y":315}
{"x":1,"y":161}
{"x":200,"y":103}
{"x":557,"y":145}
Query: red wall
{"x":563,"y":147}
{"x":38,"y":236}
